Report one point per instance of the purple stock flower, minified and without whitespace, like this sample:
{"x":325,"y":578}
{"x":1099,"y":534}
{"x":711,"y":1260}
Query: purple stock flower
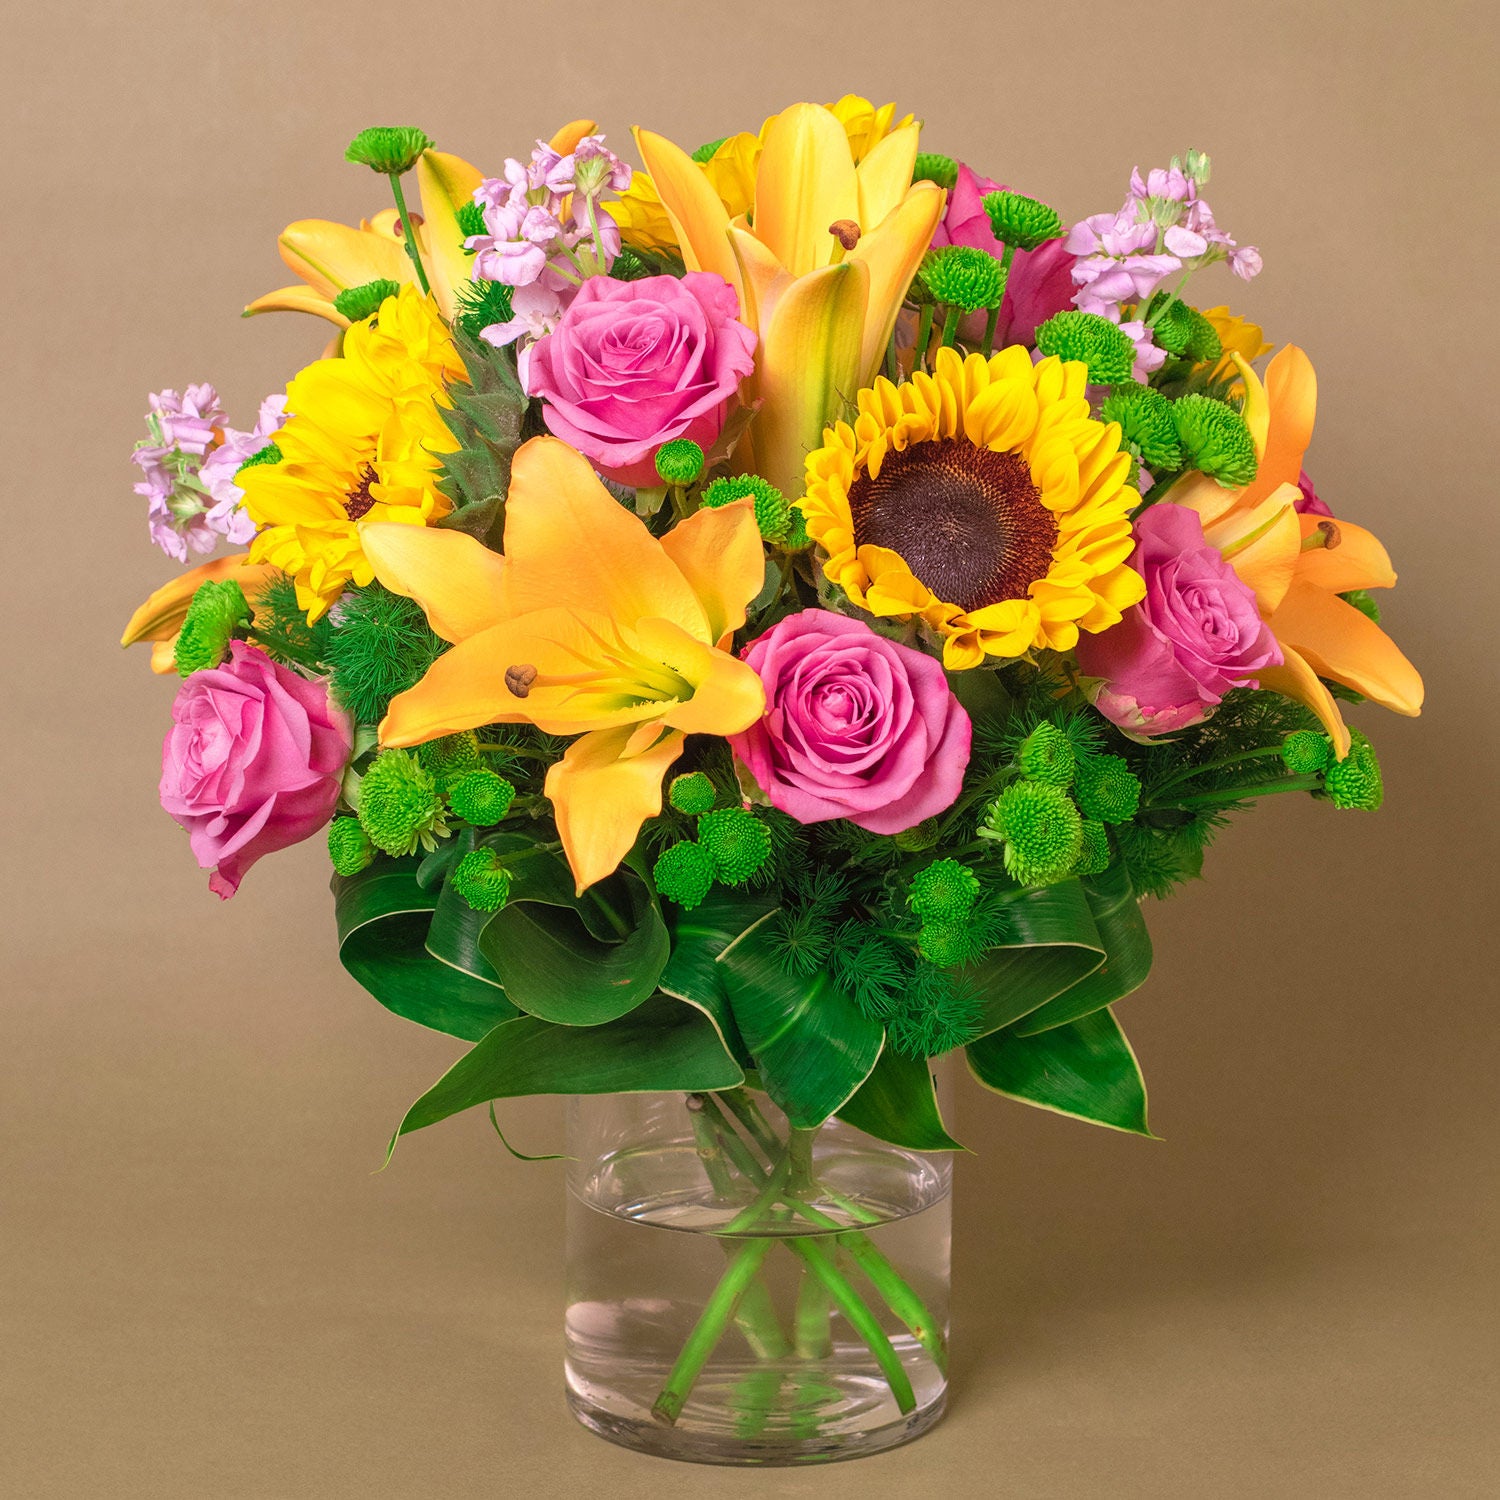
{"x":219,"y":468}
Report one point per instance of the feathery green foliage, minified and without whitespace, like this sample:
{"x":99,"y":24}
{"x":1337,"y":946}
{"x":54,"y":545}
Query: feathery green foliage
{"x":380,"y":645}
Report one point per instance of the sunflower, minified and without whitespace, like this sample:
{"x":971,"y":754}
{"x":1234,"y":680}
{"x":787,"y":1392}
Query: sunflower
{"x":363,"y":445}
{"x":982,"y":499}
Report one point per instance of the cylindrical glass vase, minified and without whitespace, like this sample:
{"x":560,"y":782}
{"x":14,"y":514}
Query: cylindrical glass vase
{"x":742,"y":1292}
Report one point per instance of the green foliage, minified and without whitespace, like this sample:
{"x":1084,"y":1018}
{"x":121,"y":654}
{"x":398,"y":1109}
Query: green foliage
{"x":482,"y":304}
{"x":937,"y":1014}
{"x":684,"y":873}
{"x":1020,"y":222}
{"x":270,"y":454}
{"x":481,"y":797}
{"x":1090,"y":340}
{"x":471,"y":219}
{"x":281,"y":627}
{"x":705,"y":152}
{"x":379,"y":645}
{"x":349,"y":846}
{"x":388,"y":149}
{"x":1364,"y":601}
{"x":215,"y":612}
{"x":399,"y":806}
{"x":487,"y":417}
{"x":870,"y":968}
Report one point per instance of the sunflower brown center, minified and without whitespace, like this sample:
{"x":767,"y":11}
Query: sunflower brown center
{"x":359,"y":500}
{"x":969,"y":523}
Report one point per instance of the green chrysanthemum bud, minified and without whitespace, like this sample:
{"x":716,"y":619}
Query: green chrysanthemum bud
{"x":706,"y":151}
{"x":918,"y":838}
{"x":964,"y":277}
{"x":1183,"y":330}
{"x":482,"y":881}
{"x":773,"y":515}
{"x":450,"y":757}
{"x":1355,"y":781}
{"x":388,"y":149}
{"x":270,"y":454}
{"x":736,"y":841}
{"x":684,"y":873}
{"x":946,"y":944}
{"x":1091,"y":340}
{"x":1046,"y":754}
{"x":931,"y":166}
{"x":1107,"y":789}
{"x":679,"y":462}
{"x":1215,"y":439}
{"x":470,"y":218}
{"x":1041,"y":828}
{"x":1305,"y":751}
{"x":357,"y":302}
{"x":481,"y":797}
{"x":1364,"y":602}
{"x":1093,"y":853}
{"x":692,"y":793}
{"x":216,"y":611}
{"x":349,"y":846}
{"x":943,"y":892}
{"x":628,"y":266}
{"x":1021,"y":222}
{"x":1145,"y":418}
{"x":399,"y":806}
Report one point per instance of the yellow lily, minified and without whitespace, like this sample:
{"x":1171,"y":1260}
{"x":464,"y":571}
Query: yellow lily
{"x":331,"y":258}
{"x":160,"y":618}
{"x":1298,"y":565}
{"x":587,"y":626}
{"x":821,"y":269}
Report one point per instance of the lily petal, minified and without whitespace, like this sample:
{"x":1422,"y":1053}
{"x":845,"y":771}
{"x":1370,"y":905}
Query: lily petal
{"x":162,"y":614}
{"x":1339,"y":642}
{"x":699,"y":219}
{"x":567,"y":537}
{"x":332,"y":257}
{"x":892,"y":251}
{"x":1357,"y":562}
{"x":804,"y":183}
{"x":602,"y":795}
{"x":298,"y":298}
{"x":1295,"y":679}
{"x":445,"y":183}
{"x":1263,"y":545}
{"x":456,"y":579}
{"x":884,"y":176}
{"x":728,"y":696}
{"x":1292,"y":395}
{"x":567,"y":139}
{"x":719,"y":553}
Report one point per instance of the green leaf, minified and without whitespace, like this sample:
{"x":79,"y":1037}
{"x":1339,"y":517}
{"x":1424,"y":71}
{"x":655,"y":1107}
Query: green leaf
{"x":662,"y":1046}
{"x":1127,"y":955}
{"x":384,"y":918}
{"x":698,"y":938}
{"x":1085,"y":1069}
{"x":453,"y":937}
{"x":896,"y":1103}
{"x":1054,"y":944}
{"x":812,"y":1045}
{"x":546,"y":947}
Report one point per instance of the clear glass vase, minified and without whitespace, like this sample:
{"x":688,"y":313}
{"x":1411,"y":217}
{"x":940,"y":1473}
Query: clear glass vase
{"x":742,"y":1292}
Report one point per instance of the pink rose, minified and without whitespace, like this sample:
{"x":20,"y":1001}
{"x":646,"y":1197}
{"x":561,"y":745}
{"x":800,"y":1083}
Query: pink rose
{"x":633,"y":364}
{"x":252,"y":762}
{"x":855,"y":727}
{"x":1195,"y":635}
{"x":1040,"y":281}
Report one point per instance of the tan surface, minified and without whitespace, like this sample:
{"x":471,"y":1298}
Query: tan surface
{"x":203,"y":1290}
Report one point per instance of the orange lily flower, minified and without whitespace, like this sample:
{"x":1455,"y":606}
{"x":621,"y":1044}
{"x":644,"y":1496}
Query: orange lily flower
{"x":330,"y":258}
{"x":587,"y":626}
{"x":160,"y":618}
{"x":821,"y":269}
{"x":1298,"y":565}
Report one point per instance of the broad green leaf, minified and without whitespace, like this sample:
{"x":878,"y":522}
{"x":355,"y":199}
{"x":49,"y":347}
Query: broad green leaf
{"x":453,"y":937}
{"x":662,"y":1046}
{"x":1054,"y":944}
{"x":812,"y":1045}
{"x":896,"y":1103}
{"x":1085,"y":1069}
{"x":1127,"y":955}
{"x":383,"y":919}
{"x":554,"y":964}
{"x":698,"y":938}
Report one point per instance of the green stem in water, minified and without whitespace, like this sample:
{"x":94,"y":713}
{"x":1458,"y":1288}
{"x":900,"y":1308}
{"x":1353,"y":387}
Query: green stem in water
{"x":747,"y":1112}
{"x":744,"y":1264}
{"x":409,"y":232}
{"x":812,"y":1335}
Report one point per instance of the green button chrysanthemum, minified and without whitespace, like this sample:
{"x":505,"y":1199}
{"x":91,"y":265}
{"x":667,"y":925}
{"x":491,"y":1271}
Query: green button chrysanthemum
{"x":481,"y":797}
{"x":356,"y":302}
{"x":388,"y":149}
{"x":1041,"y":828}
{"x":1090,"y":340}
{"x":1146,"y":423}
{"x":691,"y":793}
{"x":482,"y":881}
{"x":736,"y":841}
{"x":1093,"y":853}
{"x":349,"y":846}
{"x":964,"y":277}
{"x":679,"y":462}
{"x":1215,"y":439}
{"x":1184,"y":331}
{"x":684,"y":874}
{"x":399,"y":806}
{"x":451,"y":756}
{"x":773,"y":514}
{"x":1020,"y":222}
{"x":216,"y":611}
{"x":1305,"y":752}
{"x":1107,"y":789}
{"x":931,"y":166}
{"x":1046,"y":754}
{"x":1355,"y":781}
{"x":270,"y":454}
{"x":944,"y":892}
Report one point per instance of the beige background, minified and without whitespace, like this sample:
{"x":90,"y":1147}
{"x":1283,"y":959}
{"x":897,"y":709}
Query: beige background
{"x":204,"y":1291}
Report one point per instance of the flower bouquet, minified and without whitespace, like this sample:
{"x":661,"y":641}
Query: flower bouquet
{"x":751,"y":629}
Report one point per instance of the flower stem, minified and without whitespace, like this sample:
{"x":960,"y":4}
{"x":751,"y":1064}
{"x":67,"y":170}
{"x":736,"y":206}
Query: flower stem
{"x":950,"y":327}
{"x":1246,"y":793}
{"x":924,"y":337}
{"x":813,"y":1337}
{"x":408,"y":231}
